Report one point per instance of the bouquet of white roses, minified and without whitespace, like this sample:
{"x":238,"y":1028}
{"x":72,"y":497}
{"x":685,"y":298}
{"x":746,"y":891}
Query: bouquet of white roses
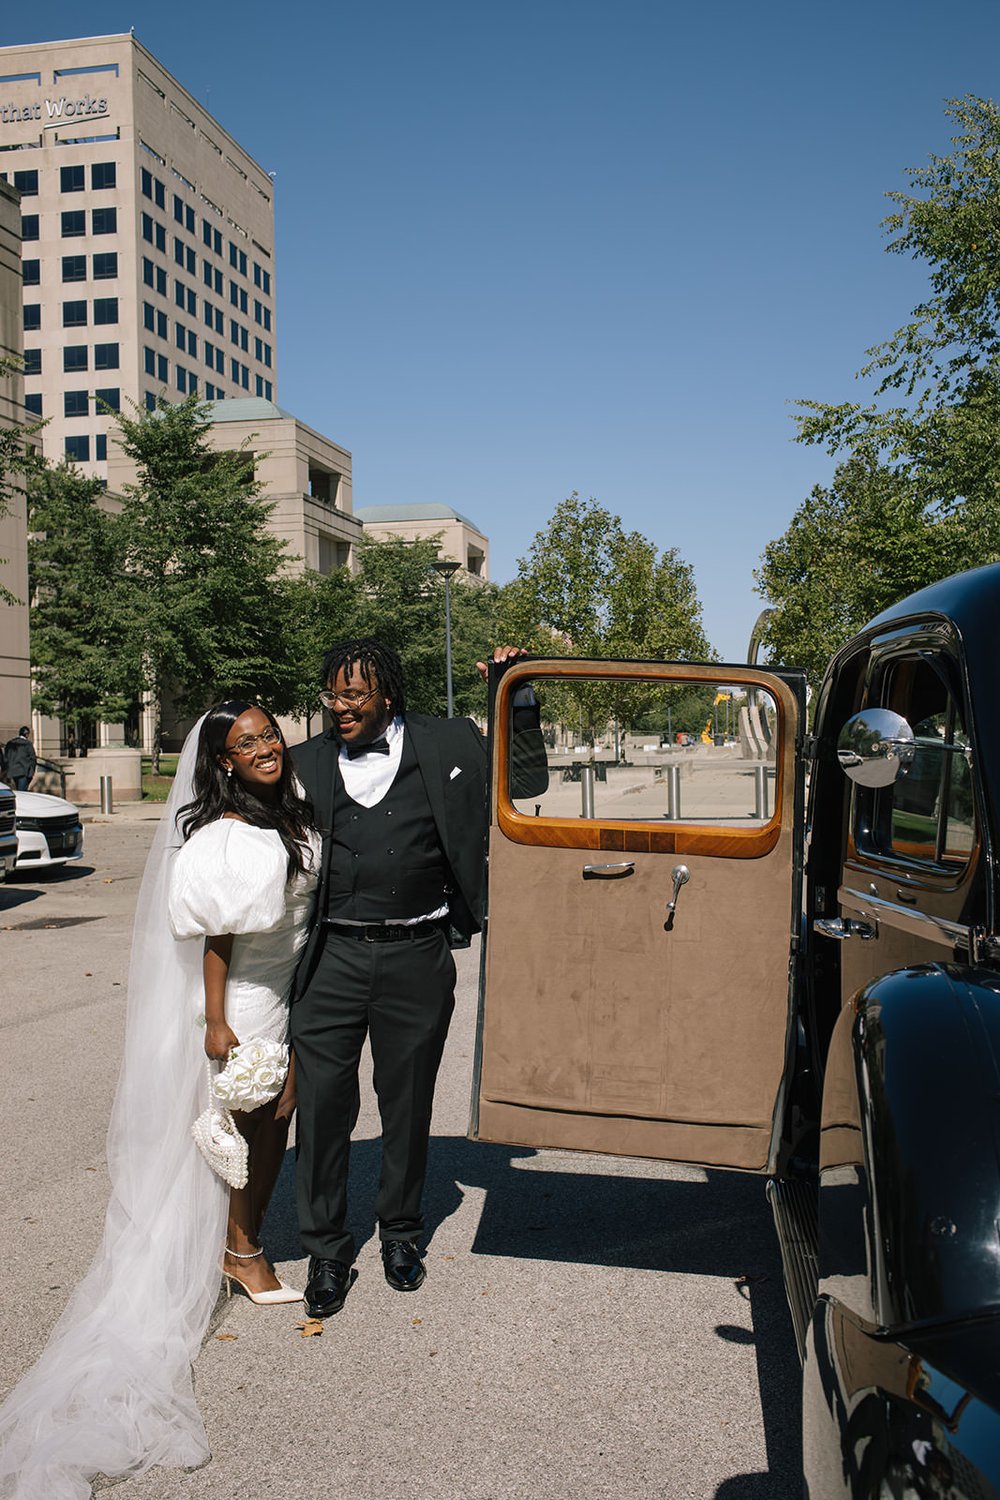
{"x":254,"y":1074}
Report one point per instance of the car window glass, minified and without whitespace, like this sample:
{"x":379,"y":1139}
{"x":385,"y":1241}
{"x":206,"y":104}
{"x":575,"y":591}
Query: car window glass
{"x":643,"y":752}
{"x":927,"y":814}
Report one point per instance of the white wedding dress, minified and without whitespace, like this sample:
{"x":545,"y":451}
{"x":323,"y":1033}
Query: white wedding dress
{"x":112,"y":1392}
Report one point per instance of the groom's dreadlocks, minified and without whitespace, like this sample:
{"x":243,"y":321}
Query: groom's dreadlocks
{"x":380,"y":667}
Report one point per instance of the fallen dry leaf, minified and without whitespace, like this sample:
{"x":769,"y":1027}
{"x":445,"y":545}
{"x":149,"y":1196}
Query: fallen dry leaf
{"x":87,"y":974}
{"x":225,"y":1338}
{"x":417,"y":1322}
{"x":108,"y":882}
{"x":312,"y":1328}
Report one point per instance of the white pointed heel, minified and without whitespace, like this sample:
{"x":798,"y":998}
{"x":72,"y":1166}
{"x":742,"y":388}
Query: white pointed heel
{"x":272,"y":1298}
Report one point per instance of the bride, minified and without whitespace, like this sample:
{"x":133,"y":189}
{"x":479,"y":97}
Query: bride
{"x":223,"y":911}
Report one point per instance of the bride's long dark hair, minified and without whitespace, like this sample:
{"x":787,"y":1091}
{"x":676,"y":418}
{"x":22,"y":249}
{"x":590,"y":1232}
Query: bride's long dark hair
{"x":215,"y":793}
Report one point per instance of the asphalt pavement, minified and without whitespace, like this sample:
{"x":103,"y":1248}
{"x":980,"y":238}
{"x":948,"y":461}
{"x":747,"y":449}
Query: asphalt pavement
{"x":591,"y":1328}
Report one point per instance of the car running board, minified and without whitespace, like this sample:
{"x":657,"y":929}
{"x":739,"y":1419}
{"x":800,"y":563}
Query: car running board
{"x":793,"y":1204}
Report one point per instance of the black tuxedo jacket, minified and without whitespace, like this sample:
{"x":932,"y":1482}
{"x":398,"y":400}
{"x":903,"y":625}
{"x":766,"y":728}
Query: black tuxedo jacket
{"x":451,"y":754}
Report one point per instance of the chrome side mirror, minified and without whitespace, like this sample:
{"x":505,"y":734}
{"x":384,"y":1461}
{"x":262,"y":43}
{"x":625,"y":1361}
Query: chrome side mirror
{"x":875,"y":747}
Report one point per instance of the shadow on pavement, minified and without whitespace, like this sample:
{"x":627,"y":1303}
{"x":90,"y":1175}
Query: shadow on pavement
{"x":719,"y":1227}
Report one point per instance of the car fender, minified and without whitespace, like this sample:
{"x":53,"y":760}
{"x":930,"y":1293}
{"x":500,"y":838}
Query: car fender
{"x":910,"y":1159}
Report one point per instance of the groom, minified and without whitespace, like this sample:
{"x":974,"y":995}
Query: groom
{"x":401,"y":801}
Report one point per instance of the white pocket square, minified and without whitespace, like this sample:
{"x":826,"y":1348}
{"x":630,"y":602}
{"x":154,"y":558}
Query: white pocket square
{"x":455,"y":771}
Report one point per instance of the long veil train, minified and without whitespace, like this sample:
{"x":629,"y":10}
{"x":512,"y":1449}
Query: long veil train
{"x":112,"y":1392}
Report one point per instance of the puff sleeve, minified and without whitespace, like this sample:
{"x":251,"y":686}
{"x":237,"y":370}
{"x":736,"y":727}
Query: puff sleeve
{"x":228,"y":877}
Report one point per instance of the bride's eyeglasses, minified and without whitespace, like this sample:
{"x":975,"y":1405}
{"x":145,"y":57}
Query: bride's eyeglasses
{"x":249,"y":742}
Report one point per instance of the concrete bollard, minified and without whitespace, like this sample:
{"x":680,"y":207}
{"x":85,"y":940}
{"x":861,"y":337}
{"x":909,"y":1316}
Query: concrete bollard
{"x":760,"y":793}
{"x":673,"y":791}
{"x":587,"y":791}
{"x":107,"y":803}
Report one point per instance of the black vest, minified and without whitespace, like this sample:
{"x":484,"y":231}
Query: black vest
{"x":386,"y":861}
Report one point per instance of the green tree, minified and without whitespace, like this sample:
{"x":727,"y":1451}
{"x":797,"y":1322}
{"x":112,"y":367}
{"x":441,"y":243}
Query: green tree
{"x":851,"y":550}
{"x":935,"y":414}
{"x":73,"y":565}
{"x":200,"y":607}
{"x":589,"y":588}
{"x":402,"y":603}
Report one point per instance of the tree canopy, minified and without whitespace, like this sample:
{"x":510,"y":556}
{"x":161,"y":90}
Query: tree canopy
{"x":915,"y":497}
{"x":200,"y":607}
{"x":935,"y":416}
{"x":589,"y":588}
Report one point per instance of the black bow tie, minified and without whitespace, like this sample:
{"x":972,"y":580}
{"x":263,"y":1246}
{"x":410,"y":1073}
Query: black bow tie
{"x":376,"y":747}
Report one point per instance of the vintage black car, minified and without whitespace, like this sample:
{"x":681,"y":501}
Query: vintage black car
{"x":782,"y":955}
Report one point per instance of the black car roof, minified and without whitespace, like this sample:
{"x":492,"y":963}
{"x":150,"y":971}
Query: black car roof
{"x":971,"y":600}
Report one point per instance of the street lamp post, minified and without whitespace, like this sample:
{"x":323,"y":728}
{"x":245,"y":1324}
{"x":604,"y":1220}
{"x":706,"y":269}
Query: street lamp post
{"x":447,"y":569}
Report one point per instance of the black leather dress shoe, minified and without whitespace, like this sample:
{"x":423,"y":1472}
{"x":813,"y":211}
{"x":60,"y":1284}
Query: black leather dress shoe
{"x":404,"y":1270}
{"x":327,"y":1288}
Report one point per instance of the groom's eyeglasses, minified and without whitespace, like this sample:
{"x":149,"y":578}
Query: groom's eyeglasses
{"x":353,"y":698}
{"x":249,"y":742}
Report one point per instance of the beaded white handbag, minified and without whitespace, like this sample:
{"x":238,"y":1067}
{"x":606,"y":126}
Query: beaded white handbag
{"x":218,"y":1140}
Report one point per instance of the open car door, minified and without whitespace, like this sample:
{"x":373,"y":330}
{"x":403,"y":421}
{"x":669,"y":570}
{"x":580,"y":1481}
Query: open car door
{"x":607,"y":1021}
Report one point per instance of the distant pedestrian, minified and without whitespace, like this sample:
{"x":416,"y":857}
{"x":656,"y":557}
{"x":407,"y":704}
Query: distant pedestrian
{"x":20,"y":760}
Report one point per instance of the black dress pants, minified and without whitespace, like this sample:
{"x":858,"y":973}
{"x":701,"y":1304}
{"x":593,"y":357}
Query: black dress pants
{"x":402,"y":996}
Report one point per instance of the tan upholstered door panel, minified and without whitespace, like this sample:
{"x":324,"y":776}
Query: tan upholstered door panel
{"x":600,"y":1029}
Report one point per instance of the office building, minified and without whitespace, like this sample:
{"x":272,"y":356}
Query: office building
{"x":147,"y":241}
{"x":15,"y":686}
{"x":460,"y":539}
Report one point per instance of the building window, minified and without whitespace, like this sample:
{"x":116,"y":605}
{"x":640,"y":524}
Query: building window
{"x":103,"y":174}
{"x":76,"y":404}
{"x":105,"y":356}
{"x":234,"y":371}
{"x":161,"y":324}
{"x":32,"y":316}
{"x":178,"y":209}
{"x":267,"y":319}
{"x":76,"y":357}
{"x":149,"y":360}
{"x":101,"y":447}
{"x":148,"y":316}
{"x":105,"y":309}
{"x":192,"y":303}
{"x":259,"y":385}
{"x":78,"y":449}
{"x":29,"y":226}
{"x":74,"y":314}
{"x":74,"y":222}
{"x":180,"y":336}
{"x":31,"y":272}
{"x":192,"y":345}
{"x":74,"y":268}
{"x":71,"y":179}
{"x":179,"y":293}
{"x":106,"y":265}
{"x":182,"y":379}
{"x":104,"y":220}
{"x":178,"y":251}
{"x":150,"y":401}
{"x":189,"y":218}
{"x":160,"y":238}
{"x":147,"y":270}
{"x":108,"y":399}
{"x":161,"y":368}
{"x":33,"y":403}
{"x":146,"y":226}
{"x":32,"y":361}
{"x":27,"y":183}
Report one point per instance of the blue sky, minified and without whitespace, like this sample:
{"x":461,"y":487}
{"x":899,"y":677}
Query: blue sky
{"x":538,"y":247}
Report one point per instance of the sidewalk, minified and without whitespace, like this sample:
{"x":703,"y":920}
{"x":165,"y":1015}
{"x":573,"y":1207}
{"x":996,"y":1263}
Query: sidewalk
{"x":124,"y":812}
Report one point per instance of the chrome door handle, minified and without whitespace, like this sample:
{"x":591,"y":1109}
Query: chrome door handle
{"x":842,"y":928}
{"x":680,"y":875}
{"x":609,"y":872}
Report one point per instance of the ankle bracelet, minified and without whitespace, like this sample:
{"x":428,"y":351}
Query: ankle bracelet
{"x":236,"y":1254}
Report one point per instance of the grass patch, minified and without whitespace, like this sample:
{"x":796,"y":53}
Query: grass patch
{"x":157,"y":788}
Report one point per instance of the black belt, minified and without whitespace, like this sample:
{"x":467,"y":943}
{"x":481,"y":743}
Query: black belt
{"x":383,"y":932}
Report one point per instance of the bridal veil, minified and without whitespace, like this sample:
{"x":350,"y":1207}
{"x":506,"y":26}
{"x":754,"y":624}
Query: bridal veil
{"x":112,"y":1392}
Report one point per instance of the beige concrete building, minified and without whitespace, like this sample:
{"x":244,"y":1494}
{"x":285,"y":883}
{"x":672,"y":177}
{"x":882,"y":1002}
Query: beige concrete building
{"x":148,"y":241}
{"x":304,"y":475}
{"x":15,"y":684}
{"x":461,"y":539}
